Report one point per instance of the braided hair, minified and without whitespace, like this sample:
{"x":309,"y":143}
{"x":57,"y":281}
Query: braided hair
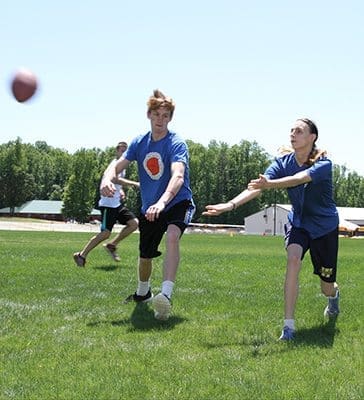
{"x":315,"y":153}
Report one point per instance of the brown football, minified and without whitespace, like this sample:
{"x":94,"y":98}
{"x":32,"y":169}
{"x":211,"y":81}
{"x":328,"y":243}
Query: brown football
{"x":23,"y":85}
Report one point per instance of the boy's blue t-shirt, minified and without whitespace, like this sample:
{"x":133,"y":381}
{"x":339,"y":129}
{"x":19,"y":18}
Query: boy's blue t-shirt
{"x":313,"y":207}
{"x":154,"y":159}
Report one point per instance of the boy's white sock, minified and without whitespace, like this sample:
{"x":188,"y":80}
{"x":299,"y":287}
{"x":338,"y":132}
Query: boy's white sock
{"x":167,"y":288}
{"x":143,"y":288}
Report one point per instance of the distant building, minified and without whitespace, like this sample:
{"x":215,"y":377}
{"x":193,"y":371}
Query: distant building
{"x":271,"y":220}
{"x":43,"y":209}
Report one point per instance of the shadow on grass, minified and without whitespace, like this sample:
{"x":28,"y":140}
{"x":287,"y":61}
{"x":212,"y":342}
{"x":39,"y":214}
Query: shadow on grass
{"x":319,"y":336}
{"x":256,"y":345}
{"x":142,"y":319}
{"x":261,"y":345}
{"x":107,"y":268}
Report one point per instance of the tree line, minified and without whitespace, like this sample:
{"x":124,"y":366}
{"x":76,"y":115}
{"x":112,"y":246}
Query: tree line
{"x":218,"y":172}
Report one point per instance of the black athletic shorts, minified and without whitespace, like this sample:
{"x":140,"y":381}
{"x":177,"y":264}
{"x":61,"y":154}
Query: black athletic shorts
{"x":151,"y":233}
{"x":109,"y":216}
{"x":323,"y":250}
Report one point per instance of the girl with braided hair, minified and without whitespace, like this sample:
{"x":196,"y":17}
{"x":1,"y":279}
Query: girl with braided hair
{"x":312,"y":225}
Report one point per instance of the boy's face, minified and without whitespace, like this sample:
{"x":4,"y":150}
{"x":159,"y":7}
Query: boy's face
{"x":159,"y":119}
{"x":120,"y":150}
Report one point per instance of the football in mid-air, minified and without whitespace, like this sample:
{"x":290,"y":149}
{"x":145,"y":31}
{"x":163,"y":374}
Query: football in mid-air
{"x":23,"y":85}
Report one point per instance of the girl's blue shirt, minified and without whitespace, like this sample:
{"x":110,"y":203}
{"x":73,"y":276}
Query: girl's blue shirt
{"x":313,"y":207}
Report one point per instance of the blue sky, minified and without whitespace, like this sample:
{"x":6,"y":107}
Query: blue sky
{"x":236,"y":69}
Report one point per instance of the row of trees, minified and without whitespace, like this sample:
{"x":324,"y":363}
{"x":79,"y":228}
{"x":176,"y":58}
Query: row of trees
{"x":218,"y":172}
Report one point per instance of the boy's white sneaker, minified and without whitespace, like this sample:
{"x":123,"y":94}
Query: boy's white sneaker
{"x":162,"y":307}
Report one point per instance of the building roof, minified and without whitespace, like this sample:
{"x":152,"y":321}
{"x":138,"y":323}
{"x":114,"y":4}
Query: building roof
{"x":41,"y":207}
{"x":284,"y":207}
{"x":351,"y":214}
{"x":348,"y":213}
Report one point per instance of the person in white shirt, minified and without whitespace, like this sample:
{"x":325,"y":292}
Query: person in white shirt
{"x":112,"y":210}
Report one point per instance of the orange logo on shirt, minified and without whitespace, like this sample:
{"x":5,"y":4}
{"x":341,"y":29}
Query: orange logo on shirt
{"x":153,"y":165}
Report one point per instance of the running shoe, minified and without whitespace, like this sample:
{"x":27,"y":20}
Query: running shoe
{"x":111,"y":250}
{"x":138,"y":298}
{"x":287,"y":334}
{"x":79,"y":260}
{"x":162,"y":307}
{"x":332,"y":308}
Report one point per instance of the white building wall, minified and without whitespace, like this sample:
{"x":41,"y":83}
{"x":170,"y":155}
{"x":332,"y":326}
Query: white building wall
{"x":269,"y":221}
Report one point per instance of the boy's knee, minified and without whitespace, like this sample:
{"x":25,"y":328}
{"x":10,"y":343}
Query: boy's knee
{"x":105,"y":234}
{"x":133,"y":223}
{"x":173,"y":235}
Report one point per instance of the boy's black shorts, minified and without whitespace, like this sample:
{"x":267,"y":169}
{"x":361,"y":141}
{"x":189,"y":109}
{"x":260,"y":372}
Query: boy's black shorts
{"x":151,"y":233}
{"x":109,"y":216}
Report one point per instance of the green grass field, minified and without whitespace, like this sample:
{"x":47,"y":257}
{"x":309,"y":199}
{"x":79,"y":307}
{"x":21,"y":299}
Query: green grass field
{"x":65,"y":333}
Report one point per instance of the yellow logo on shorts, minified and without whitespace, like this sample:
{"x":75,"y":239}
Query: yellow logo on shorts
{"x":326,"y":272}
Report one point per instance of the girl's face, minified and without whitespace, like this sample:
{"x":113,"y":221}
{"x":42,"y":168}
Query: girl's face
{"x":301,"y":137}
{"x":159,"y":120}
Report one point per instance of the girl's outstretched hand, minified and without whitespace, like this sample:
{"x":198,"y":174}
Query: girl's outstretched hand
{"x":259,"y":183}
{"x":214,"y":210}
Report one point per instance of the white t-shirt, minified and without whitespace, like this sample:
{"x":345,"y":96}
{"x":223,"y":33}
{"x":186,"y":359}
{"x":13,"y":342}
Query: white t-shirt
{"x":114,"y":201}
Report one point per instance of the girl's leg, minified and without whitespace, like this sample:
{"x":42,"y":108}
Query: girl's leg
{"x":294,"y":253}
